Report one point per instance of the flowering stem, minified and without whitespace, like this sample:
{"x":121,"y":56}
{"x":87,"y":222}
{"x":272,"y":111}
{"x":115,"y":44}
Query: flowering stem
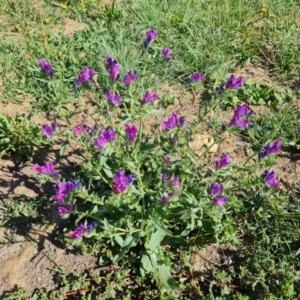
{"x":249,"y":158}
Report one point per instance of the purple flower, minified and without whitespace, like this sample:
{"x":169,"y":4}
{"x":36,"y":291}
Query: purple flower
{"x":77,"y":234}
{"x":46,"y":66}
{"x":64,"y":190}
{"x":131,"y":131}
{"x":175,"y":139}
{"x":79,"y":129}
{"x":81,"y":230}
{"x":181,"y":121}
{"x":216,"y":189}
{"x":175,"y":181}
{"x":48,"y":130}
{"x":60,"y":198}
{"x":47,"y":169}
{"x":90,"y":227}
{"x":85,"y":76}
{"x":100,"y":143}
{"x":164,"y":177}
{"x":150,"y":36}
{"x":130,"y":78}
{"x":104,"y":137}
{"x":64,"y":210}
{"x":110,"y":61}
{"x":167,"y":160}
{"x":114,"y":99}
{"x":220,"y":200}
{"x":149,"y":98}
{"x":223,"y":162}
{"x":237,"y":121}
{"x":170,"y":123}
{"x":271,"y":148}
{"x":109,"y":135}
{"x":271,"y":180}
{"x":197,"y":77}
{"x":166,"y":53}
{"x":114,"y":71}
{"x":67,"y":187}
{"x":242,"y":110}
{"x":165,"y":199}
{"x":235,"y":83}
{"x":121,"y":182}
{"x":241,"y":116}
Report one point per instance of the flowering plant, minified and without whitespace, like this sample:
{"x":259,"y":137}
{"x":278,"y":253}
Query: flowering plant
{"x":134,"y":189}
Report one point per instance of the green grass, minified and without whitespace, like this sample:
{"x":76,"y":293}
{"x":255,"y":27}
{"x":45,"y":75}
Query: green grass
{"x":215,"y":37}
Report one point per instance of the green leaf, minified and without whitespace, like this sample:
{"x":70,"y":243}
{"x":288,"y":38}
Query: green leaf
{"x":161,"y":227}
{"x":155,"y":239}
{"x":119,"y":240}
{"x":146,"y":265}
{"x":64,"y":147}
{"x":129,"y":242}
{"x":166,"y":278}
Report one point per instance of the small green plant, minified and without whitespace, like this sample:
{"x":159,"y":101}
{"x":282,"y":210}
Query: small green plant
{"x":19,"y":136}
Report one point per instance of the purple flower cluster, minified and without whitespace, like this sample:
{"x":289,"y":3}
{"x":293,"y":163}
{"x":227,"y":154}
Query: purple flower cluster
{"x":271,"y":148}
{"x":174,"y":182}
{"x":85,"y":76}
{"x":113,"y":99}
{"x":223,"y":162}
{"x":148,"y":97}
{"x":64,"y":190}
{"x":216,"y":190}
{"x":235,"y":83}
{"x":150,"y":36}
{"x":46,"y":66}
{"x":121,"y":182}
{"x":130,"y":78}
{"x":131,"y":131}
{"x":105,"y":137}
{"x":172,"y":122}
{"x":271,"y":181}
{"x":241,"y":116}
{"x":113,"y":68}
{"x":81,"y":230}
{"x":48,"y":130}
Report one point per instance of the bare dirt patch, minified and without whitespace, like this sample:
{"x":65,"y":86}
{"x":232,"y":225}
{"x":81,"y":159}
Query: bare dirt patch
{"x":72,"y":26}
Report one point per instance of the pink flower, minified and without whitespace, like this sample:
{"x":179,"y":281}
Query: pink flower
{"x":131,"y":131}
{"x":175,"y":181}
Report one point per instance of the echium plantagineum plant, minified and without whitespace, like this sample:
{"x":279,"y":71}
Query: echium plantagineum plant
{"x":135,"y":188}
